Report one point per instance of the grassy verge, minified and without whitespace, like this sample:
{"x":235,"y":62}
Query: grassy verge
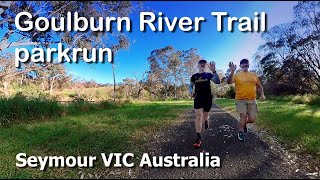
{"x":296,"y":125}
{"x":124,"y":128}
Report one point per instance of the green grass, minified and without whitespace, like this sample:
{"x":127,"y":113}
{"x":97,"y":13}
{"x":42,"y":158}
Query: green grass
{"x":294,"y":124}
{"x":116,"y":129}
{"x":20,"y":109}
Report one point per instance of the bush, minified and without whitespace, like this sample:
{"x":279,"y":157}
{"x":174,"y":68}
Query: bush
{"x":297,"y":100}
{"x":107,"y":105}
{"x":306,"y":99}
{"x":312,"y":100}
{"x":128,"y":101}
{"x":231,"y":92}
{"x":80,"y":106}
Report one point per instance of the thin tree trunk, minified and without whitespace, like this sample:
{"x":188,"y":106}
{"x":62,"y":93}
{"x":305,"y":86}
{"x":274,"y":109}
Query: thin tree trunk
{"x":167,"y":88}
{"x":6,"y":88}
{"x":114,"y":84}
{"x":127,"y":91}
{"x":175,"y":86}
{"x":139,"y":90}
{"x":51,"y":86}
{"x":42,"y":85}
{"x":21,"y":81}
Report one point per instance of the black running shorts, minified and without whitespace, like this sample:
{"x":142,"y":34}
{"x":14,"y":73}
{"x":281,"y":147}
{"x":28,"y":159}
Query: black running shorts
{"x":204,"y":102}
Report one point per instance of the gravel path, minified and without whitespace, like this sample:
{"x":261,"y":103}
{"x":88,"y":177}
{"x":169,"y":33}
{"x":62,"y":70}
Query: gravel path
{"x":250,"y":159}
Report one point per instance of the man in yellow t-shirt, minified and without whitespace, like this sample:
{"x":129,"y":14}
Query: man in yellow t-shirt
{"x":246,"y":85}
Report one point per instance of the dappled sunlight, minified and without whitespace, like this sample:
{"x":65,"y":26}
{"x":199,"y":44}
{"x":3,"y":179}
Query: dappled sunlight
{"x":309,"y":113}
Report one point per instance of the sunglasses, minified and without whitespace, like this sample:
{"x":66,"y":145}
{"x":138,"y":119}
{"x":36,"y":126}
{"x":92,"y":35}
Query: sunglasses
{"x":245,"y":66}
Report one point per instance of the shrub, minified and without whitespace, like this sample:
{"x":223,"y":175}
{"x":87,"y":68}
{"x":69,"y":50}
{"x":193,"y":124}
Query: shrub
{"x":107,"y":105}
{"x":297,"y":99}
{"x":312,"y":100}
{"x":306,"y":99}
{"x":231,"y":92}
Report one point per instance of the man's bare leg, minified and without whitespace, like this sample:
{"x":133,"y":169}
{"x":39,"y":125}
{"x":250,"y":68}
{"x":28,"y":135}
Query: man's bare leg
{"x":206,"y":119}
{"x":251,"y":116}
{"x":199,"y":117}
{"x":242,"y":124}
{"x":198,"y":125}
{"x":243,"y":119}
{"x":252,"y":113}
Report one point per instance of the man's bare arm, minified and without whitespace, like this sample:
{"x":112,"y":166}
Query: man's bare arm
{"x":230,"y":78}
{"x":191,"y":87}
{"x":216,"y":78}
{"x":260,"y":89}
{"x":261,"y":92}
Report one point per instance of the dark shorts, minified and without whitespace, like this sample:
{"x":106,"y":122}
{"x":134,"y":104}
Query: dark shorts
{"x":204,"y":102}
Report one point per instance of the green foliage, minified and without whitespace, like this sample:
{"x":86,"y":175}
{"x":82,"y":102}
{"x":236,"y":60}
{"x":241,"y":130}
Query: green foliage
{"x":31,"y":90}
{"x":306,"y":99}
{"x":231,"y":92}
{"x":128,"y":101}
{"x":312,"y":100}
{"x":297,"y":100}
{"x":78,"y":107}
{"x":19,"y":109}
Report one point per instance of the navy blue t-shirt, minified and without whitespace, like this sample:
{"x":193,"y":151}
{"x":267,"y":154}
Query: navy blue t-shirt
{"x":202,"y":83}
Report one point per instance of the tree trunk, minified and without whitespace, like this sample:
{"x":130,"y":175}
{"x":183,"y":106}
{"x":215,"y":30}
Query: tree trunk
{"x":167,"y":88}
{"x":127,"y":91}
{"x":42,"y":85}
{"x":175,"y":86}
{"x":51,"y":90}
{"x":114,"y":84}
{"x":139,"y":91}
{"x":21,"y":81}
{"x":6,"y":88}
{"x":51,"y":86}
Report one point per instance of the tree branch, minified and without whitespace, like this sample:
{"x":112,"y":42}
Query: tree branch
{"x":8,"y":75}
{"x":4,"y":40}
{"x":11,"y":20}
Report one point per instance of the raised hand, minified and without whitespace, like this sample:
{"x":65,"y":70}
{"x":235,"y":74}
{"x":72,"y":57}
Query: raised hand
{"x":212,"y":66}
{"x":232,"y":66}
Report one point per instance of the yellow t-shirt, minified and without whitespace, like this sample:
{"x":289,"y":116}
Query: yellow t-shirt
{"x":246,"y":85}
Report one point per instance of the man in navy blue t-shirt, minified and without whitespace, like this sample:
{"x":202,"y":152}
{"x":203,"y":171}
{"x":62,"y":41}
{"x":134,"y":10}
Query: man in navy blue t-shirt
{"x":202,"y":96}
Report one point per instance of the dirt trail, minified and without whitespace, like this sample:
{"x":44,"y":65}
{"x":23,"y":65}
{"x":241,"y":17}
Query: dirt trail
{"x":250,"y":159}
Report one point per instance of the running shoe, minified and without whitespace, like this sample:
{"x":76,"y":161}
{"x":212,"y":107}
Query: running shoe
{"x":245,"y":129}
{"x":241,"y":136}
{"x":197,"y":143}
{"x":206,"y":125}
